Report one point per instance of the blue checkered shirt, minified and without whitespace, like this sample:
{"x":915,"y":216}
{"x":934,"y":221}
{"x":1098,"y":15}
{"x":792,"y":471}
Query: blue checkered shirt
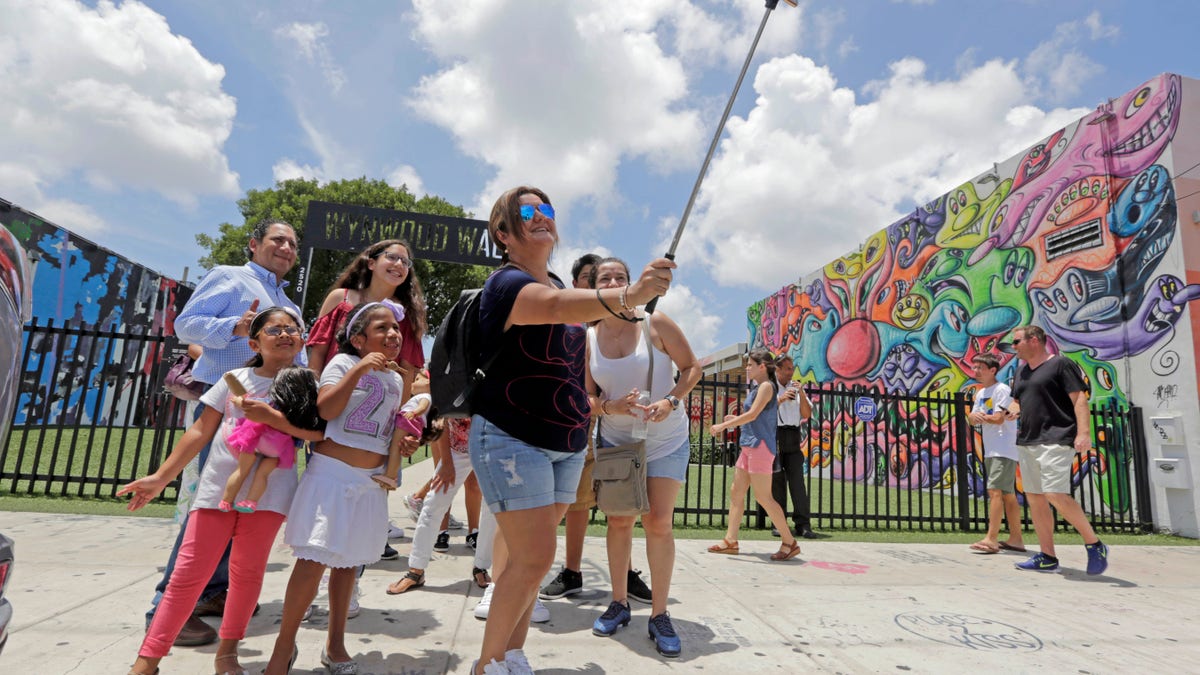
{"x":208,"y":318}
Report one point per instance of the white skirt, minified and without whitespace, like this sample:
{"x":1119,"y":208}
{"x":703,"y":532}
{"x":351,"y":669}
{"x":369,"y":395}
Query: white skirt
{"x":339,"y":515}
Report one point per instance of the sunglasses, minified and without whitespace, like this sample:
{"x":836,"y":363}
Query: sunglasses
{"x":276,"y":331}
{"x":527,"y":211}
{"x":396,"y":259}
{"x":1017,"y":341}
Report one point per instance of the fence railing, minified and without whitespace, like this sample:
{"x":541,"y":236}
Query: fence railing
{"x":92,"y":415}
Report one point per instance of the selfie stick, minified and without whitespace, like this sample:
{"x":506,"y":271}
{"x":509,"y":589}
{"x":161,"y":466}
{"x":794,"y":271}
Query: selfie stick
{"x":670,"y":255}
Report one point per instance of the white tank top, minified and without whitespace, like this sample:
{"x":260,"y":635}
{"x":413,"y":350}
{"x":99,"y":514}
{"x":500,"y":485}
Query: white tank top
{"x":616,"y":377}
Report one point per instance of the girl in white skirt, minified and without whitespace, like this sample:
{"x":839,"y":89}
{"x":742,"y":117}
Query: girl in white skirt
{"x":338,"y":519}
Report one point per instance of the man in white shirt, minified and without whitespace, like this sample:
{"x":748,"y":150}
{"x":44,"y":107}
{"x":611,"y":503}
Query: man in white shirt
{"x":794,"y":407}
{"x":990,"y":412}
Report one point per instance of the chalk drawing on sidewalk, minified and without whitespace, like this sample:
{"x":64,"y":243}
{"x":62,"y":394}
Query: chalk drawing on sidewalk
{"x":962,"y":630}
{"x":847,"y":568}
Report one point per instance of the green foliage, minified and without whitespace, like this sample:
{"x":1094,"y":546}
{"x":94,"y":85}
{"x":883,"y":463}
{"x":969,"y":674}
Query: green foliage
{"x":288,"y":201}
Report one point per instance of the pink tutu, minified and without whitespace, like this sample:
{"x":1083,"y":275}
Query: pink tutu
{"x":413,"y":427}
{"x":255,"y":437}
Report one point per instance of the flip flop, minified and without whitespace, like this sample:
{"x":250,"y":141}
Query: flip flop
{"x":980,"y":547}
{"x":724,"y":547}
{"x":1010,"y":547}
{"x":414,"y":581}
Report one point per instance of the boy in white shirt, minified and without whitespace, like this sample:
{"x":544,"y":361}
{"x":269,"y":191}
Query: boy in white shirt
{"x":999,"y":456}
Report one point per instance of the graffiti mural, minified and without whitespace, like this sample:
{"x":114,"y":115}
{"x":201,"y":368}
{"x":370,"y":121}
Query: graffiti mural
{"x":85,"y":286}
{"x":1078,"y":235}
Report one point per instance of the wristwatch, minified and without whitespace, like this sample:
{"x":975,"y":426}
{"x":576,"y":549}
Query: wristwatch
{"x":673,"y":401}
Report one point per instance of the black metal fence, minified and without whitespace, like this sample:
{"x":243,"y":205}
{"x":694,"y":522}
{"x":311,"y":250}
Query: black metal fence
{"x":92,"y":415}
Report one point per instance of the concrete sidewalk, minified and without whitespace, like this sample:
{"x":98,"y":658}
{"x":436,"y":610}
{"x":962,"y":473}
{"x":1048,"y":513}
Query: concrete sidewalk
{"x":82,"y":584}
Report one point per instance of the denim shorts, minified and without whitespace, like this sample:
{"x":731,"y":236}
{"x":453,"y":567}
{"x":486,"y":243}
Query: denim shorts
{"x":673,"y":466}
{"x":514,"y":475}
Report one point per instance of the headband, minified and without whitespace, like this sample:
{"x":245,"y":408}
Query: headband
{"x":397,"y":311}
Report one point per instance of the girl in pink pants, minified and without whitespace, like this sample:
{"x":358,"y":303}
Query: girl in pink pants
{"x":275,"y":336}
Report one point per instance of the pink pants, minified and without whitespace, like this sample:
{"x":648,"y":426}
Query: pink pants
{"x":208,"y":532}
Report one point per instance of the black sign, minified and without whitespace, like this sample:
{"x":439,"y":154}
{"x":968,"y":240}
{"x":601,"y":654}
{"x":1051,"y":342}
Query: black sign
{"x":342,"y":227}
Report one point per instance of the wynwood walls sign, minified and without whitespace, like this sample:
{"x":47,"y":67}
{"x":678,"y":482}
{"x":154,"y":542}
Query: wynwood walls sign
{"x":343,"y":227}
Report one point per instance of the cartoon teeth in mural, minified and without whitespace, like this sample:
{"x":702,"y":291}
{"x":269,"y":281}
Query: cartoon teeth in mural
{"x":968,"y":216}
{"x":1146,"y":119}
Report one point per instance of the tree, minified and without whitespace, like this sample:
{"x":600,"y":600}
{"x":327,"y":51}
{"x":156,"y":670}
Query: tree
{"x":288,"y":201}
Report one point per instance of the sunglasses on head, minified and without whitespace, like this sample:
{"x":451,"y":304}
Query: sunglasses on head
{"x":527,"y":211}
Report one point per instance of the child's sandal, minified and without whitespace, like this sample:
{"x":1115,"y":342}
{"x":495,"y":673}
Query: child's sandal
{"x":224,"y":506}
{"x":386,"y":482}
{"x":406,"y":583}
{"x":246,"y":506}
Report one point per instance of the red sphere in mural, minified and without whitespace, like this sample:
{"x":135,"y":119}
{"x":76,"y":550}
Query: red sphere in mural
{"x":854,"y":349}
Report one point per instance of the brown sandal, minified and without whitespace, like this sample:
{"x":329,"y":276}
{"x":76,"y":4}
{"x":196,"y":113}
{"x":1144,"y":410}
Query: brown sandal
{"x":785,"y":553}
{"x":406,"y":583}
{"x":724,"y":547}
{"x":481,"y":577}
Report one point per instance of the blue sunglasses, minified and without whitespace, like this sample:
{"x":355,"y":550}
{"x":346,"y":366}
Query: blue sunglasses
{"x":527,"y":211}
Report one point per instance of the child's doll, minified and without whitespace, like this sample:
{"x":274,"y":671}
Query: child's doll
{"x":294,"y":393}
{"x":415,"y":418}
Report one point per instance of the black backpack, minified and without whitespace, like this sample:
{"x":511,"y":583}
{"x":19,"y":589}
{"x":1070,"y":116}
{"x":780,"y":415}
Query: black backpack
{"x":455,"y":365}
{"x":455,"y":369}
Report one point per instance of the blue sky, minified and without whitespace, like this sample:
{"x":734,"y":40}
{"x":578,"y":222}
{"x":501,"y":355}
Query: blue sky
{"x":146,"y":125}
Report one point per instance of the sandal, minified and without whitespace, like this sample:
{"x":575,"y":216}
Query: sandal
{"x":481,"y":577}
{"x":406,"y":583}
{"x":138,"y":672}
{"x":239,"y":671}
{"x":724,"y":547}
{"x":786,"y":553}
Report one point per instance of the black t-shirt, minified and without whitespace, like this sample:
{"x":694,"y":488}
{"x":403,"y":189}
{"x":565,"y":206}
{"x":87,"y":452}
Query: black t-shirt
{"x":534,"y":391}
{"x":1047,"y":413}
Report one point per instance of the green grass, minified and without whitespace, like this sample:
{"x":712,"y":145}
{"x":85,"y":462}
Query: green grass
{"x":113,"y":456}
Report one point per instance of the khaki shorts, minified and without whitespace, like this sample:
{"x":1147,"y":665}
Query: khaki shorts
{"x":1046,"y":468}
{"x":1001,"y":474}
{"x":585,"y":495}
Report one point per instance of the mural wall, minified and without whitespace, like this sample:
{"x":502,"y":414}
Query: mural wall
{"x":90,"y":287}
{"x":1079,"y":235}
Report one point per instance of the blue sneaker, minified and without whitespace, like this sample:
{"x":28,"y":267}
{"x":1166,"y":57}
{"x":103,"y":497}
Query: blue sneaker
{"x":1039,"y":562}
{"x":614,"y":617}
{"x":663,"y":634}
{"x":1097,"y":557}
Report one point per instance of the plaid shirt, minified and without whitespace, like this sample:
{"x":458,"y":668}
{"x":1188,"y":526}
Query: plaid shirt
{"x":208,"y":318}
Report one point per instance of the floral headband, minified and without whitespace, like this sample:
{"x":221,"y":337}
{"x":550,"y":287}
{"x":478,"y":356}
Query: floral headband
{"x":396,"y":308}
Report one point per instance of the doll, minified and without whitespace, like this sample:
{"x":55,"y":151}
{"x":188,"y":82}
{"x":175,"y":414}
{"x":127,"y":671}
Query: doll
{"x":415,"y":418}
{"x":293,"y":393}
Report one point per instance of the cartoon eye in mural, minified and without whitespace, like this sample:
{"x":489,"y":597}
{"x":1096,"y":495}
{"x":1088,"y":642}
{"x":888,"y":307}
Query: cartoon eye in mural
{"x":1044,"y":301}
{"x":1060,"y":298}
{"x":1076,"y":282}
{"x":1010,"y":271}
{"x":1138,"y":101}
{"x":998,"y":219}
{"x":1022,"y":272}
{"x":1104,"y":378}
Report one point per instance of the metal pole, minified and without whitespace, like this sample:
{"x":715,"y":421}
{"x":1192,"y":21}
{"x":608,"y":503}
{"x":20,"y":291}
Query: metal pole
{"x":687,"y":211}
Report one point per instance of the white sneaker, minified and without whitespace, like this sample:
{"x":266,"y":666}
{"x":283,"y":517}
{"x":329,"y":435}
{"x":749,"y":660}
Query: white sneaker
{"x":454,"y":523}
{"x":492,"y":668}
{"x":414,"y":506}
{"x":395,"y":532}
{"x":540,"y":613}
{"x":517,"y":664}
{"x":485,"y":603}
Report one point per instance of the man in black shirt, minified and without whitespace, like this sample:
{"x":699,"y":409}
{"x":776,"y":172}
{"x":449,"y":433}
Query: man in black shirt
{"x":1050,"y":399}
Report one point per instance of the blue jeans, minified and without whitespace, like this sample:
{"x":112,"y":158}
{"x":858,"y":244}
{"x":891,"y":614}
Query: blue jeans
{"x":219,"y":581}
{"x":514,"y":476}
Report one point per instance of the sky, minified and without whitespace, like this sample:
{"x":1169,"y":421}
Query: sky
{"x":139,"y":124}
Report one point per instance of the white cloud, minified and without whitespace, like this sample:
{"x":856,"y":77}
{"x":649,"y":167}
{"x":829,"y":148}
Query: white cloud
{"x":407,"y":175}
{"x":110,"y":93}
{"x":811,"y":171}
{"x":691,"y":313}
{"x":310,"y":39}
{"x":595,"y":85}
{"x":1057,"y":68}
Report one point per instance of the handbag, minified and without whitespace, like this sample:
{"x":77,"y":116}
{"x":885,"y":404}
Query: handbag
{"x":179,"y":382}
{"x":619,"y":475}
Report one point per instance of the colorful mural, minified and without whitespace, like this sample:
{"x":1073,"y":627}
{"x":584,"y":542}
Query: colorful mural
{"x":89,"y":287}
{"x":1073,"y":235}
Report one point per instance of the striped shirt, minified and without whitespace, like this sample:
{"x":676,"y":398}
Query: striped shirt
{"x":216,"y":306}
